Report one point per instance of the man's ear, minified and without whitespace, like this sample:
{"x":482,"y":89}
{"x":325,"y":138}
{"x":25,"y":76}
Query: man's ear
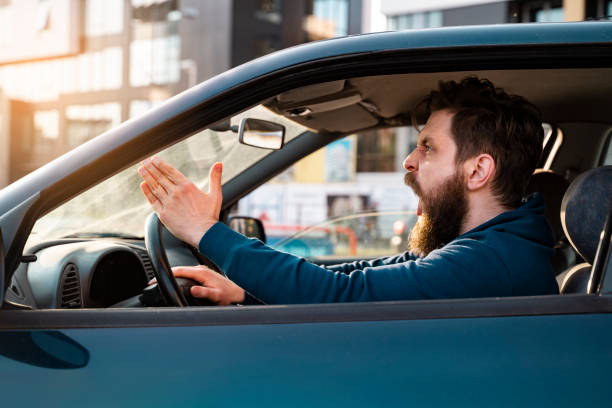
{"x":479,"y":171}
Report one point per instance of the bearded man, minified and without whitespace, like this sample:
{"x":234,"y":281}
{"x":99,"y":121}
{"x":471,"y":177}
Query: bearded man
{"x":475,"y":237}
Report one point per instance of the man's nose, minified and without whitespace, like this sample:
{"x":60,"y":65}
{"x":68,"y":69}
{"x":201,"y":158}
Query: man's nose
{"x":411,"y":162}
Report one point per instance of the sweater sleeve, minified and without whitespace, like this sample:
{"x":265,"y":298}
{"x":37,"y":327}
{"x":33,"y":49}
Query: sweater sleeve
{"x":278,"y":277}
{"x":349,"y":267}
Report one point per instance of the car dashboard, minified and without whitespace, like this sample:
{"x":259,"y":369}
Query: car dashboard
{"x":77,"y":273}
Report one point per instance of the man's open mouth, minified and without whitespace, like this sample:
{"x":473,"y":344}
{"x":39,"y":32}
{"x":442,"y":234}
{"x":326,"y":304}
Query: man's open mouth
{"x":411,"y":182}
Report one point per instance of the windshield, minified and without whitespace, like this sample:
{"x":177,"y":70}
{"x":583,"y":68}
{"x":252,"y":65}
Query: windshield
{"x":117,"y":207}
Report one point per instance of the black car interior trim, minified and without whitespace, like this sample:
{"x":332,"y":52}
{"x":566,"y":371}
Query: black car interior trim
{"x":318,"y":313}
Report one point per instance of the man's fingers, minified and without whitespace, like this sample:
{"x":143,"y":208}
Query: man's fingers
{"x":197,"y":273}
{"x":214,"y":185}
{"x":166,"y":182}
{"x":204,"y":292}
{"x":154,"y":186}
{"x":173,"y":174}
{"x":146,"y":190}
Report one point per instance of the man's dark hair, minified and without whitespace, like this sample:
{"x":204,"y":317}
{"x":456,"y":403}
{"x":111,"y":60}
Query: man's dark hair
{"x":488,"y":120}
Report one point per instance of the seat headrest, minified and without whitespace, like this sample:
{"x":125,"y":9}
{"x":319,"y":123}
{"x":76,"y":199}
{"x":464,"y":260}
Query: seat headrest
{"x":552,"y":186}
{"x":584,"y":208}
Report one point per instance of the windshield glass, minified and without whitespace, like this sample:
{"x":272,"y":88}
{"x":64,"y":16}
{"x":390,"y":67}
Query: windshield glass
{"x":117,"y":207}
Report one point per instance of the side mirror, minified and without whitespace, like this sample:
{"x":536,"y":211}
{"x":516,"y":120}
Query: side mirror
{"x":248,"y":226}
{"x":261,"y":133}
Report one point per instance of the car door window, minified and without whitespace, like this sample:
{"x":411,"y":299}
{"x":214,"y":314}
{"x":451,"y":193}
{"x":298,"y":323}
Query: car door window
{"x":341,"y":201}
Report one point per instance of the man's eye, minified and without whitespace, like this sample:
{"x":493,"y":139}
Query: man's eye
{"x":423,"y":148}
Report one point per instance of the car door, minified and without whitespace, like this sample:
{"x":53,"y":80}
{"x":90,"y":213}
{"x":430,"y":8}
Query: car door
{"x":490,"y":352}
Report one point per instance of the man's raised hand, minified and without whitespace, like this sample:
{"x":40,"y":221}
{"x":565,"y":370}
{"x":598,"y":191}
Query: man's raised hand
{"x":181,"y":206}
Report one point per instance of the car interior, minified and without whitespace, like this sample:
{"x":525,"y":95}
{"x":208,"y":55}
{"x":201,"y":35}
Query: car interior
{"x":575,"y":102}
{"x":574,"y":177}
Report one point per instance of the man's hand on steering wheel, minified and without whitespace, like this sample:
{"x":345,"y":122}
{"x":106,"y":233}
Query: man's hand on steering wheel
{"x":181,"y":206}
{"x":215,"y":287}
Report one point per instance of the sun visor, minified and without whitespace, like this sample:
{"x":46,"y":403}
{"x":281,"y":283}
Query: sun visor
{"x":348,"y":119}
{"x":309,"y":92}
{"x":326,"y":103}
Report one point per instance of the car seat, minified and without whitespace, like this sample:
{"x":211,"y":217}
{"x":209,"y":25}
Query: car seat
{"x":584,"y":209}
{"x":552,"y":187}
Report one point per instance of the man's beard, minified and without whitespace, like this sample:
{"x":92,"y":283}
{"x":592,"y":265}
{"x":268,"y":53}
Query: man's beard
{"x":443,"y":213}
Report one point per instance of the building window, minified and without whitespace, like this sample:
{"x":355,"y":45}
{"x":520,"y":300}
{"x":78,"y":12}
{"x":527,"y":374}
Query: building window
{"x":155,"y":61}
{"x":112,"y":68}
{"x":598,"y":10}
{"x":551,"y":15}
{"x":70,"y":74}
{"x":543,"y":11}
{"x":45,"y":80}
{"x":6,"y":25}
{"x":269,"y":6}
{"x":46,"y":124}
{"x":156,"y":47}
{"x":103,"y":17}
{"x":154,"y":19}
{"x":84,"y":122}
{"x":326,"y":19}
{"x":43,"y":16}
{"x":384,"y":150}
{"x":429,"y":19}
{"x":101,"y":70}
{"x":333,"y":10}
{"x":269,"y":10}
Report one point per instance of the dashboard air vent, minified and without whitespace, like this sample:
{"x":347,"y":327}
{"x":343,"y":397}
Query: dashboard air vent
{"x":70,"y":287}
{"x":146,"y":263}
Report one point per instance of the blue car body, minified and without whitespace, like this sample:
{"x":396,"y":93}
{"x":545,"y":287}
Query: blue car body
{"x":532,"y":351}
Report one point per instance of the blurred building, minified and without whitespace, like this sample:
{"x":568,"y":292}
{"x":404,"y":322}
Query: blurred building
{"x":72,"y":69}
{"x":412,"y":14}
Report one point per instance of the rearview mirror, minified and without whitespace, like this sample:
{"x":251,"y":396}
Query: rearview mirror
{"x":261,"y":133}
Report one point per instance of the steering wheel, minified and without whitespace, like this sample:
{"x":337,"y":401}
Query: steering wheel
{"x":173,"y":293}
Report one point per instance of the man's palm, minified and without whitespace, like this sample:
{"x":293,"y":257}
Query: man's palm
{"x":184,"y":209}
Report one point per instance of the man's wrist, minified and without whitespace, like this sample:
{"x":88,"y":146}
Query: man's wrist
{"x":197,"y":235}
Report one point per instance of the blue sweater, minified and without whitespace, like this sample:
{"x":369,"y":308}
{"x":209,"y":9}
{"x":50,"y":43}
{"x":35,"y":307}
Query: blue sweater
{"x":508,"y":255}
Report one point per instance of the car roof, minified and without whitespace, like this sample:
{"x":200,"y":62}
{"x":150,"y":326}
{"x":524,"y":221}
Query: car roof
{"x":444,"y":37}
